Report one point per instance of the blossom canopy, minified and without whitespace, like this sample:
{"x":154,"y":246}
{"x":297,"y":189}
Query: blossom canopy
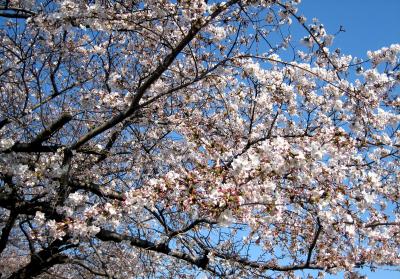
{"x":166,"y":139}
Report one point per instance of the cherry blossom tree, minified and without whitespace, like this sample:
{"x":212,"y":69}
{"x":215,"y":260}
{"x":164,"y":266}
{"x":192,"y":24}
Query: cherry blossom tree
{"x":179,"y":139}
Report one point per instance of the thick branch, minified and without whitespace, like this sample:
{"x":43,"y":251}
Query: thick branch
{"x":200,"y":262}
{"x":47,"y":133}
{"x":36,"y":144}
{"x":6,"y":230}
{"x":15,"y":12}
{"x":42,"y":261}
{"x":96,"y":189}
{"x":29,"y":148}
{"x":22,"y":16}
{"x":113,"y":138}
{"x":10,"y":202}
{"x":4,"y":122}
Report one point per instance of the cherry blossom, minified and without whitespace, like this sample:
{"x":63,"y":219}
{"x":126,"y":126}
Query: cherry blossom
{"x":176,"y":139}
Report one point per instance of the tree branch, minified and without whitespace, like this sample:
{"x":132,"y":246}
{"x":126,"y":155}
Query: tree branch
{"x":313,"y":243}
{"x":36,"y":144}
{"x":42,"y":261}
{"x":191,"y":226}
{"x":47,"y":133}
{"x":162,"y":248}
{"x":81,"y":264}
{"x":4,"y":122}
{"x":261,"y":266}
{"x":7,"y":15}
{"x":96,"y":189}
{"x":6,"y":230}
{"x":10,"y":202}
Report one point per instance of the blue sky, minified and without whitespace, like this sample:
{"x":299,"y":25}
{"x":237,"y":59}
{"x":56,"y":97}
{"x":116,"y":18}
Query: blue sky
{"x":369,"y":25}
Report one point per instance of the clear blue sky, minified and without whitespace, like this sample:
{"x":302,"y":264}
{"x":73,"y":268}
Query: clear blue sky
{"x":369,"y":25}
